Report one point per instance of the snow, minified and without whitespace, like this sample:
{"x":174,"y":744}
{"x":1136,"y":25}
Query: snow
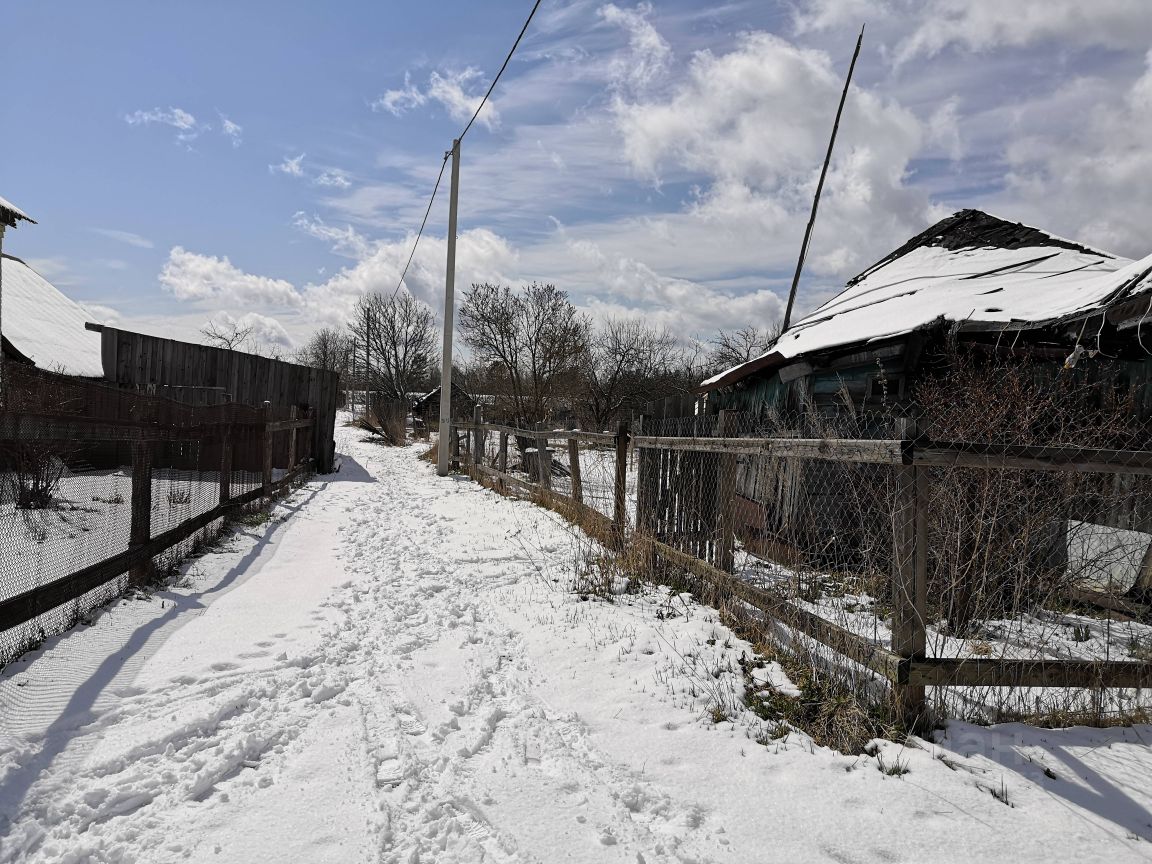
{"x":983,"y":286}
{"x":45,"y":326}
{"x":394,"y":669}
{"x":16,"y":212}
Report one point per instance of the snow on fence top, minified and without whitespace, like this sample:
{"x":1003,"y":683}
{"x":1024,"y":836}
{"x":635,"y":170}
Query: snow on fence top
{"x":971,"y":268}
{"x":46,"y":327}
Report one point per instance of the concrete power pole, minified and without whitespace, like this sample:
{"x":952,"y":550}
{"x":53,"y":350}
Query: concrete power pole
{"x":443,"y":455}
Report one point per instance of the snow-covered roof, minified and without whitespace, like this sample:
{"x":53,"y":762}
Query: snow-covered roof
{"x":10,"y":213}
{"x":972,"y":269}
{"x":45,"y":326}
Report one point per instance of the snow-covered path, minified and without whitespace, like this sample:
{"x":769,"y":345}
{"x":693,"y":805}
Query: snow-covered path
{"x":398,"y":672}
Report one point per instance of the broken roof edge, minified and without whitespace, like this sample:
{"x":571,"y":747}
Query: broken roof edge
{"x":977,"y":229}
{"x":10,"y":214}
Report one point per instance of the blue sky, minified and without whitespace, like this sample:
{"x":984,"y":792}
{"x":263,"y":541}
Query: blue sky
{"x":268,"y":162}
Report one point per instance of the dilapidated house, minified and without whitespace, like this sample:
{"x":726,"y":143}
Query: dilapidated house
{"x":927,"y":334}
{"x":989,"y":285}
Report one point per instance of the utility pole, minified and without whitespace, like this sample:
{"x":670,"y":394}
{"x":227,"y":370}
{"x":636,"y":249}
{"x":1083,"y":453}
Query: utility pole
{"x":367,"y":360}
{"x":443,"y":455}
{"x":820,"y":187}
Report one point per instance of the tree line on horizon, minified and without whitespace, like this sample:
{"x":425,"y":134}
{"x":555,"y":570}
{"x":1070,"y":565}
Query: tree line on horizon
{"x":531,"y":350}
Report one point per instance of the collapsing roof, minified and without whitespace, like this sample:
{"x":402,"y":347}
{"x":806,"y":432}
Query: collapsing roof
{"x":43,"y":326}
{"x":970,"y":269}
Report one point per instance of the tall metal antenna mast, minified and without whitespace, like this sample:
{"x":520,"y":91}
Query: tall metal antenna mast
{"x":820,"y":186}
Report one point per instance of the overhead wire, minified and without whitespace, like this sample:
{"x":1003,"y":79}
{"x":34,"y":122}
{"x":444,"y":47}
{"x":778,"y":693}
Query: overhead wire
{"x":444,"y":162}
{"x":423,"y":222}
{"x":504,"y":66}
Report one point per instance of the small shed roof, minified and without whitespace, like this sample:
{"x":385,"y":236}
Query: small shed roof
{"x":44,"y":326}
{"x":971,"y":268}
{"x":10,"y":214}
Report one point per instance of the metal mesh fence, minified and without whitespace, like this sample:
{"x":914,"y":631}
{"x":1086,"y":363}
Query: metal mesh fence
{"x":1049,"y":561}
{"x":91,"y":475}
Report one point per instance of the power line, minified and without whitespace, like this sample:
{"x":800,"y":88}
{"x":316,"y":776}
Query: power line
{"x":423,"y":222}
{"x":515,"y":45}
{"x":479,"y":108}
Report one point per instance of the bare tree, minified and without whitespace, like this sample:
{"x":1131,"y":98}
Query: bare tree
{"x":329,"y":348}
{"x":532,"y":340}
{"x":400,"y":334}
{"x":227,"y":333}
{"x":626,"y":364}
{"x":739,"y":346}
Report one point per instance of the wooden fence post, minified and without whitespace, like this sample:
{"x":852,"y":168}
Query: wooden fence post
{"x":454,"y":445}
{"x":726,"y":493}
{"x":226,"y":463}
{"x":477,"y":437}
{"x":266,"y":411}
{"x":909,"y":578}
{"x":620,"y":486}
{"x":574,"y":470}
{"x":293,"y":413}
{"x":543,"y":458}
{"x":502,"y":459}
{"x":141,"y":530}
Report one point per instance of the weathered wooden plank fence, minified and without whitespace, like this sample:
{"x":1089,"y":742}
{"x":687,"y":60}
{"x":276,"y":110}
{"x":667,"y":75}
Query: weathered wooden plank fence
{"x":153,"y":365}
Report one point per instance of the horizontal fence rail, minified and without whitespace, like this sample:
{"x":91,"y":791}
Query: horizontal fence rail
{"x":681,"y":500}
{"x":97,"y":482}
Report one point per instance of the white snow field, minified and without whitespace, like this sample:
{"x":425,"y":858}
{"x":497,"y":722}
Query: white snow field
{"x":393,"y":669}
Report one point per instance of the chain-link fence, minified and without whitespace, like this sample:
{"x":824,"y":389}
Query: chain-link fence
{"x":990,"y":556}
{"x":101,"y":487}
{"x":1015,"y":563}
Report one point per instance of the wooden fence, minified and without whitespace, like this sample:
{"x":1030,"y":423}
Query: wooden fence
{"x":56,"y":414}
{"x":151,"y":364}
{"x":687,"y":518}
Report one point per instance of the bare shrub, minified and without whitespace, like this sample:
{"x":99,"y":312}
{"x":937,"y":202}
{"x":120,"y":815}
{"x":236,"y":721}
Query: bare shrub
{"x":36,"y":469}
{"x":1003,"y":541}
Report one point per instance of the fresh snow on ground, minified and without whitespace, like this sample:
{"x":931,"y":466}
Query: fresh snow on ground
{"x":394,"y":669}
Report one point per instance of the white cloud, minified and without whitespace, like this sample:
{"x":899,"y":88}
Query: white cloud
{"x":102,"y":314}
{"x":481,"y":255}
{"x":232,"y":130}
{"x":177,"y":118}
{"x":129,"y":237}
{"x":333,"y":178}
{"x":267,"y":333}
{"x":754,"y":122}
{"x":944,"y":129}
{"x":58,"y":271}
{"x":649,"y":53}
{"x":1077,"y":170}
{"x":195,"y":278}
{"x":187,"y":129}
{"x":344,"y":241}
{"x":396,"y":102}
{"x":981,"y":25}
{"x":293,"y":167}
{"x":457,"y":92}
